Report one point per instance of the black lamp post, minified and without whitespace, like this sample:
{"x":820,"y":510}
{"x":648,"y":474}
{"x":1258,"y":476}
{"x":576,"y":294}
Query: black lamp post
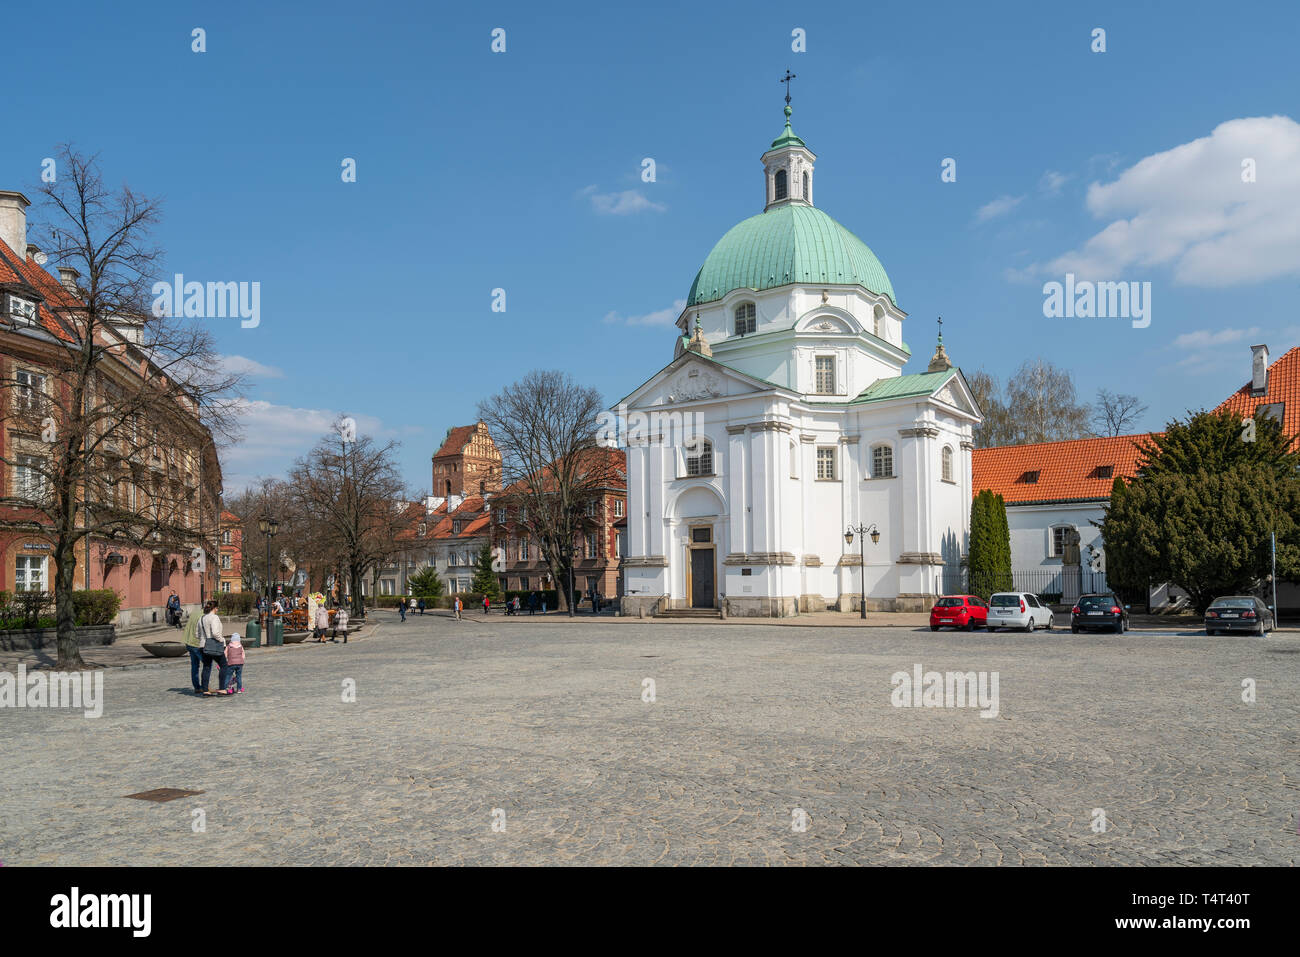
{"x":862,"y":531}
{"x":268,"y":527}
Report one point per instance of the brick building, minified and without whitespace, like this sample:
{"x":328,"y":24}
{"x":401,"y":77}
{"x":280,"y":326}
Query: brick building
{"x":467,"y":463}
{"x":232,"y":552}
{"x":139,"y":469}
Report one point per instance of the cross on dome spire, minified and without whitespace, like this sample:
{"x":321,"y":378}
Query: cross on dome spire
{"x":786,"y":80}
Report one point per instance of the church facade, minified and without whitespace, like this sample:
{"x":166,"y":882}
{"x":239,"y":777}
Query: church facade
{"x":785,"y":420}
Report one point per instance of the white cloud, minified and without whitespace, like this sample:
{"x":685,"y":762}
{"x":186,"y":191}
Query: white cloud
{"x":242,"y":365}
{"x":1206,"y":338}
{"x":1052,"y":181}
{"x":660,"y":317}
{"x":275,"y":435}
{"x":1188,"y":210}
{"x":621,"y":203}
{"x":998,"y":207}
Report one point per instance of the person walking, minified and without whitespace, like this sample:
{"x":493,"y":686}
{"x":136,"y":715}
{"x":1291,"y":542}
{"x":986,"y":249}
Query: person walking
{"x":214,"y":648}
{"x":487,"y":604}
{"x":457,"y":607}
{"x":235,"y":666}
{"x":420,"y":605}
{"x":322,"y":622}
{"x":341,"y":625}
{"x":401,"y":608}
{"x":532,"y":603}
{"x":173,"y":610}
{"x":194,"y":645}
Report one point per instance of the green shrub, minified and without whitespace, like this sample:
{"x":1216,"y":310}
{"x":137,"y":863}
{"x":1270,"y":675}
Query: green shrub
{"x":97,"y":606}
{"x":235,"y":602}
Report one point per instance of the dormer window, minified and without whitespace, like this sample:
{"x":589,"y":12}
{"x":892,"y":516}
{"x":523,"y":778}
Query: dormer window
{"x":22,"y":312}
{"x":779,"y":185}
{"x":746,"y":318}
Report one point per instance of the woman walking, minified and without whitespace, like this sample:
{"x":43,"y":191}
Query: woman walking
{"x":214,"y":648}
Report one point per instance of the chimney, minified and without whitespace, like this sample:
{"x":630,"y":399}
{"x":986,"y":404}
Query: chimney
{"x":69,"y":276}
{"x":1259,"y":370}
{"x":13,"y":221}
{"x":34,"y":252}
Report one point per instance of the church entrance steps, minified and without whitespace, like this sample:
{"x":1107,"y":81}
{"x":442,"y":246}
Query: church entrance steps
{"x":689,"y":613}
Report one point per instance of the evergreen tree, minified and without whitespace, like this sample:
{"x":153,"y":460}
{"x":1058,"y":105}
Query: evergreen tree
{"x":426,"y":583}
{"x":983,"y":553}
{"x":485,"y":579}
{"x":1200,"y":512}
{"x":1002,"y":580}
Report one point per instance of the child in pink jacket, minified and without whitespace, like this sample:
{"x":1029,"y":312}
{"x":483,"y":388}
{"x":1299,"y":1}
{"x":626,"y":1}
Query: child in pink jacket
{"x":235,"y":666}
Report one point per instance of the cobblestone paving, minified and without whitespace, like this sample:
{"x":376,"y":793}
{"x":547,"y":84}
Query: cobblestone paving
{"x":545,"y":721}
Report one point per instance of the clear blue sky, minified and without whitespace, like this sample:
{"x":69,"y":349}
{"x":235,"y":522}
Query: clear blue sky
{"x":521,"y":170}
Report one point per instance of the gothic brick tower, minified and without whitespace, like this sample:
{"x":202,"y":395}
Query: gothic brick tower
{"x":467,"y":462}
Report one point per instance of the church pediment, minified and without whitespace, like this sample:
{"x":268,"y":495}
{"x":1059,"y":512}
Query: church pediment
{"x":691,"y":378}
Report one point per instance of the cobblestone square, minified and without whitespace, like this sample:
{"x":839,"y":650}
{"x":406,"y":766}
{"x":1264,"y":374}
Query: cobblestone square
{"x":539,"y":727}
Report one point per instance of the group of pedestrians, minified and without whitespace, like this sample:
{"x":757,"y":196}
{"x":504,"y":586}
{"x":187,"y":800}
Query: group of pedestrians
{"x":415,"y":604}
{"x":207,"y":645}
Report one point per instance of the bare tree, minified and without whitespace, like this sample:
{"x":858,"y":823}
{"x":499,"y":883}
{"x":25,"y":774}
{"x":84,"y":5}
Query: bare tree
{"x":129,"y":403}
{"x":351,"y":492}
{"x":997,"y":428}
{"x":1042,"y":404}
{"x":545,"y":427}
{"x":1116,"y":414}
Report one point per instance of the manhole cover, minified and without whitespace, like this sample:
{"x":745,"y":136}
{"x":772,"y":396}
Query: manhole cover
{"x":163,"y":794}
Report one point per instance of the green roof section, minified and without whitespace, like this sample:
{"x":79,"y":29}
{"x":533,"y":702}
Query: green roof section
{"x":791,"y":243}
{"x":905,"y":386}
{"x":787,"y":138}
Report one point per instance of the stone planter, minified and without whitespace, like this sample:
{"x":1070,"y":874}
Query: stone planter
{"x":164,"y":649}
{"x":32,"y":639}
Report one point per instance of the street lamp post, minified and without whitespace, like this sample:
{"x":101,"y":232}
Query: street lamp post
{"x":268,"y":527}
{"x":862,"y":532}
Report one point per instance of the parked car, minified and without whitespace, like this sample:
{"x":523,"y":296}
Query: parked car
{"x":1238,"y":613}
{"x":1102,"y":611}
{"x":1018,"y":609}
{"x":959,"y":611}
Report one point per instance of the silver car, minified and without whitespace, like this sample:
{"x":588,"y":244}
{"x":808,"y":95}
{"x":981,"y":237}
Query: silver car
{"x":1018,"y":609}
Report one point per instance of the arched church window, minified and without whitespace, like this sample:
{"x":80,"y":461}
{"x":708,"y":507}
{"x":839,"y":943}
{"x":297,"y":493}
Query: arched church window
{"x":746,"y":318}
{"x":878,"y":322}
{"x":780,"y":184}
{"x":699,"y":459}
{"x":805,"y":185}
{"x":882,"y":461}
{"x":947,"y":464}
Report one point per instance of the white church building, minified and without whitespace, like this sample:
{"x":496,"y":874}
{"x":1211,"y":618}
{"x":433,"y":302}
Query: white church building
{"x":789,"y":369}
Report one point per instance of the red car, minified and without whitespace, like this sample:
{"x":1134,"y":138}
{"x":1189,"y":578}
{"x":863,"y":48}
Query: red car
{"x":959,"y":611}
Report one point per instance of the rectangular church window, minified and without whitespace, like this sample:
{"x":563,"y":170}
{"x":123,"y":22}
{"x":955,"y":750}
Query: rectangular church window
{"x":826,"y":464}
{"x":825,"y":375}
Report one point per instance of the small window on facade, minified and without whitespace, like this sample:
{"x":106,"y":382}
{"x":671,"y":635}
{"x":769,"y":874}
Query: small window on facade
{"x":30,"y":389}
{"x":825,"y":383}
{"x":947,"y":463}
{"x":1060,"y":537}
{"x":618,"y":508}
{"x":780,"y":184}
{"x":746,"y":318}
{"x":882,"y":461}
{"x":805,"y":185}
{"x":701,"y":462}
{"x":826,"y":463}
{"x":591,"y":544}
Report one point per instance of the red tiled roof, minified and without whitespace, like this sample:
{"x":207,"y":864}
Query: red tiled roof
{"x":229,"y":516}
{"x":21,"y":268}
{"x":455,"y":440}
{"x":1283,"y":386}
{"x":1066,"y":471}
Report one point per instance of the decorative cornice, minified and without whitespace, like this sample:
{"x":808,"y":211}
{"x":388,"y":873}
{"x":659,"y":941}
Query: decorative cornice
{"x":736,"y":429}
{"x":761,"y":558}
{"x":809,"y":439}
{"x":645,"y":561}
{"x":847,"y":559}
{"x":921,"y":558}
{"x":850,"y":439}
{"x":769,"y":426}
{"x":967,"y":446}
{"x":812,"y":561}
{"x":922,"y":431}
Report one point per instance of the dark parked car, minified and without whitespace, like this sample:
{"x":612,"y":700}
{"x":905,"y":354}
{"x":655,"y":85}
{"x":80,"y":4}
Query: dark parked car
{"x":1102,"y":612}
{"x":1238,"y":613}
{"x":959,"y":611}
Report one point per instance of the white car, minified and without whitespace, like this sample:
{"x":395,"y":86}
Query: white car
{"x":1018,"y":609}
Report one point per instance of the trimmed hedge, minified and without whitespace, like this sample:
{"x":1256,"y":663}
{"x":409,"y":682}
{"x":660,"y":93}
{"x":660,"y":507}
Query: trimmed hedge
{"x":97,"y":606}
{"x":36,"y":609}
{"x":235,"y":602}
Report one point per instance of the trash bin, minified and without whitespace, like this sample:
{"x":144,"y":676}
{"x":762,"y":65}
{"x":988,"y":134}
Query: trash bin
{"x":276,"y":635}
{"x":252,"y":635}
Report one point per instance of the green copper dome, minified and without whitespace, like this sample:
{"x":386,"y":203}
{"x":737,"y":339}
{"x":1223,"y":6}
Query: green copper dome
{"x":792,"y":243}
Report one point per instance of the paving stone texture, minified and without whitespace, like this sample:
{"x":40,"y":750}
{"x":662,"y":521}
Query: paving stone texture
{"x":545,"y":721}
